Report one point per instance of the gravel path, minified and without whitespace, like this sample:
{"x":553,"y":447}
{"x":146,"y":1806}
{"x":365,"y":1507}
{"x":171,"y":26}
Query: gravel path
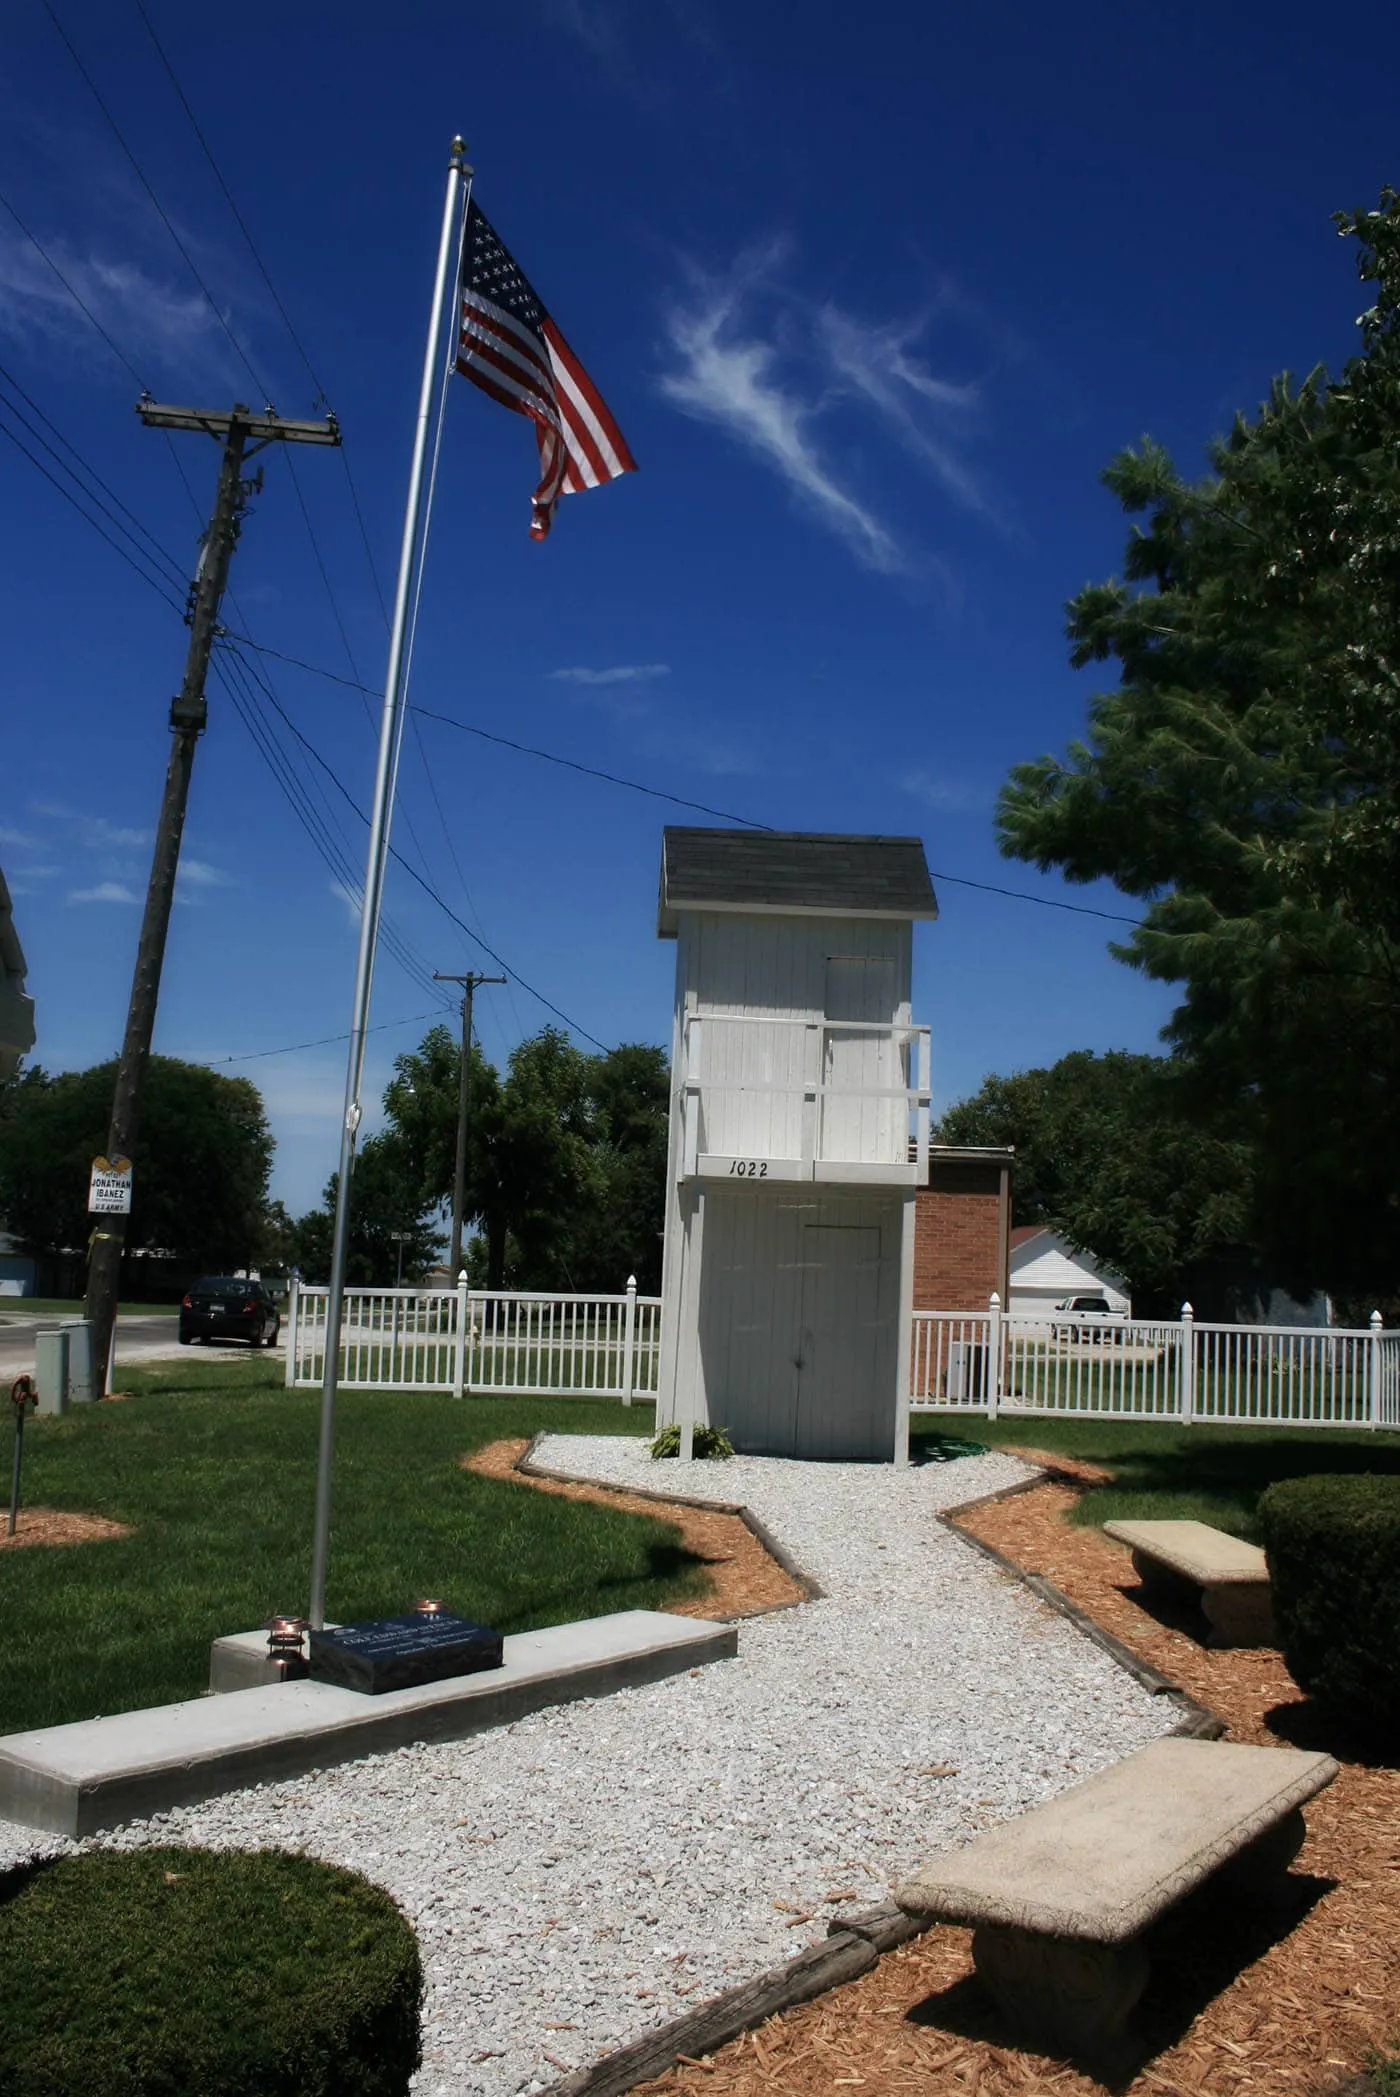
{"x":598,"y":1868}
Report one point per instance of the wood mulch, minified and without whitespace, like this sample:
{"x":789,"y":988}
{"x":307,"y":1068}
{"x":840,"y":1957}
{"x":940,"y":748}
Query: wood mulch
{"x":48,"y":1525}
{"x":744,"y":1579}
{"x":1288,"y":1999}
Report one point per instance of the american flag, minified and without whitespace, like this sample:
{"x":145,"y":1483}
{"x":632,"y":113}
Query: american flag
{"x":511,"y":348}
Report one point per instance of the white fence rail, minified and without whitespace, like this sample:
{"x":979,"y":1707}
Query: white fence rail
{"x":480,"y":1342}
{"x":1143,"y":1369}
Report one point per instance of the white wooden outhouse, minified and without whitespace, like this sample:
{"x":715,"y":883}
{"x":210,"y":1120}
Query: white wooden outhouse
{"x":798,"y":1139}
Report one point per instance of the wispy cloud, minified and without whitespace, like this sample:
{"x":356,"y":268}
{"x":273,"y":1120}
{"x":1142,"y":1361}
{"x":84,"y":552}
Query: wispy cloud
{"x":104,"y":892}
{"x":19,"y":838}
{"x":788,"y":377}
{"x":616,"y":673}
{"x":927,"y":413}
{"x":99,"y":835}
{"x":725,"y":373}
{"x":716,"y":751}
{"x":937,"y":790}
{"x":199,"y":874}
{"x":156,"y":323}
{"x":350,"y":899}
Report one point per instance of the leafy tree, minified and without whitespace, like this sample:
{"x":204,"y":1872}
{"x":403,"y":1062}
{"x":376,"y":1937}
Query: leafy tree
{"x":1111,"y":1153}
{"x":621,"y":1232}
{"x":199,"y":1188}
{"x":1244,"y":781}
{"x":385,"y":1198}
{"x":565,"y":1157}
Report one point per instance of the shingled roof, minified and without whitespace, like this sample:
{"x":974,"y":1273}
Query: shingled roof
{"x":792,"y":873}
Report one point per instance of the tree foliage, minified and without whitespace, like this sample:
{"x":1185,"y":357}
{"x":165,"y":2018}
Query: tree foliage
{"x":1112,"y":1153}
{"x":565,"y":1158}
{"x":392,"y":1236}
{"x":199,"y":1185}
{"x":1243,"y":779}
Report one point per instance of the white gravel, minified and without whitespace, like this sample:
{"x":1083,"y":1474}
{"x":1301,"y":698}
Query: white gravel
{"x":598,"y":1868}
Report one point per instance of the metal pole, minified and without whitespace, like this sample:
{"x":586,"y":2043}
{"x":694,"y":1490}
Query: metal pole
{"x":434,"y":375}
{"x":14,"y":1478}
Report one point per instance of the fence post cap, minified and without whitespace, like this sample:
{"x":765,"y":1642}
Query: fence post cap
{"x":1377,"y":1321}
{"x":1186,"y":1311}
{"x":632,"y":1283}
{"x":994,"y":1301}
{"x":461,"y":1278}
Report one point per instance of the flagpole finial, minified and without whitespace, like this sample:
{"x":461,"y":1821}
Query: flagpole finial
{"x":459,"y":147}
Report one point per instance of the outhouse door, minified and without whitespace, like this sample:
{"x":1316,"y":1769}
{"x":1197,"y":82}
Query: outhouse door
{"x":845,"y":1403}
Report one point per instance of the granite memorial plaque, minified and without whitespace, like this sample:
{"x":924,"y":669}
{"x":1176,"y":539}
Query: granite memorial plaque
{"x":400,"y":1652}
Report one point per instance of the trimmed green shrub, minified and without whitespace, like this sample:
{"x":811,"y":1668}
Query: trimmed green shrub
{"x":706,"y":1441}
{"x":1333,"y":1547}
{"x":165,"y":1972}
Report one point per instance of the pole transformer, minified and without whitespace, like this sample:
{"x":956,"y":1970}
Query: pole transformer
{"x":242,"y":434}
{"x":464,"y":1099}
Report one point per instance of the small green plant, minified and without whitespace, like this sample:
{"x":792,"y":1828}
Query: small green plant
{"x":161,"y":1972}
{"x":1333,"y":1546}
{"x":707,"y":1441}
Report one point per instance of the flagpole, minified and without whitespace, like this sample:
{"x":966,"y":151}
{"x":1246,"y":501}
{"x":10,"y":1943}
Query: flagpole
{"x":435,"y":374}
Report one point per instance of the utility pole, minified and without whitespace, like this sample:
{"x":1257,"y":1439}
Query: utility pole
{"x":464,"y":1100}
{"x":243,"y":435}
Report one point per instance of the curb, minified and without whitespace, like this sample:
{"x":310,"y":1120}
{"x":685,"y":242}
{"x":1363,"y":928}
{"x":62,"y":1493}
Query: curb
{"x":853,"y":1945}
{"x":812,"y":1589}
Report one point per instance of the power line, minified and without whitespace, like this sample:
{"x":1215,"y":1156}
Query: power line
{"x":322,"y":397}
{"x":1021,"y":895}
{"x":115,"y":347}
{"x":415,"y":876}
{"x":331,"y":849}
{"x":295,"y":1048}
{"x":159,"y":208}
{"x":656,"y":793}
{"x":173,"y":570}
{"x":570,"y":764}
{"x":88,"y":518}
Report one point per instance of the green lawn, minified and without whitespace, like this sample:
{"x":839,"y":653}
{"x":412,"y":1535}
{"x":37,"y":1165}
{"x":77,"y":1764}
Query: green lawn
{"x":1166,"y":1471}
{"x":213,"y":1464}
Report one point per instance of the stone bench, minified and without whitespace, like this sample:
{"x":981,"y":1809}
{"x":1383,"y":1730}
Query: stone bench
{"x":1232,"y":1576}
{"x":1059,"y":1899}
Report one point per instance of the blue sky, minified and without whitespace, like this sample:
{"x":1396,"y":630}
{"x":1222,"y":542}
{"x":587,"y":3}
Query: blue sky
{"x":873,"y":305}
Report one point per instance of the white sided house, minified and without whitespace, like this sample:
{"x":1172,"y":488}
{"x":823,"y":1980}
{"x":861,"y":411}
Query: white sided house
{"x":798,"y":1138}
{"x":1045,"y":1269}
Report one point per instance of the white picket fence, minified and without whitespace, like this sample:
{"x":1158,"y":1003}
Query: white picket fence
{"x":1140,"y":1368}
{"x":480,"y":1342}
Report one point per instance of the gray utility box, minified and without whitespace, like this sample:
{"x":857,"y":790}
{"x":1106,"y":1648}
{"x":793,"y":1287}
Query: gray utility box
{"x":51,"y":1371}
{"x":80,"y":1384}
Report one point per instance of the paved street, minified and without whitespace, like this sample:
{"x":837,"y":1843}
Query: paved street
{"x":139,"y":1339}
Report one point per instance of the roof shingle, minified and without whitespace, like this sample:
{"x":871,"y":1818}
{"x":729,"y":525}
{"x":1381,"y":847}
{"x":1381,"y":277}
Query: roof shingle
{"x":792,"y":872}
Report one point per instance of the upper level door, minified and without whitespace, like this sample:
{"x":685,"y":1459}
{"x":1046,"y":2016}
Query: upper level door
{"x":860,"y":1062}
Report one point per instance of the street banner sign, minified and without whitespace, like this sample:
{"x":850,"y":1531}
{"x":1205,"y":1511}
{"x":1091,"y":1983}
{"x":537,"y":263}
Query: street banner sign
{"x":109,"y":1192}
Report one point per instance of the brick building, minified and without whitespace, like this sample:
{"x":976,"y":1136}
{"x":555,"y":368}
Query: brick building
{"x":962,"y":1228}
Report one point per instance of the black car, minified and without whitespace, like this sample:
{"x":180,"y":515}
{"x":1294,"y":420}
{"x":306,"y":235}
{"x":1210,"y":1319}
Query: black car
{"x":229,"y":1307}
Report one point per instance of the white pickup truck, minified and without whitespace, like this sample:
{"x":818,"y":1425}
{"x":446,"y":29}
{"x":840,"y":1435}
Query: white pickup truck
{"x":1096,"y":1312}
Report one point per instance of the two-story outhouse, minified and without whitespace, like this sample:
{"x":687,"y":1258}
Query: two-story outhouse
{"x":798,"y":1138}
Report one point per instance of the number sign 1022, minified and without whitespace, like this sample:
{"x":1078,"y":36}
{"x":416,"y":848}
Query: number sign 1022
{"x":748,"y":1168}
